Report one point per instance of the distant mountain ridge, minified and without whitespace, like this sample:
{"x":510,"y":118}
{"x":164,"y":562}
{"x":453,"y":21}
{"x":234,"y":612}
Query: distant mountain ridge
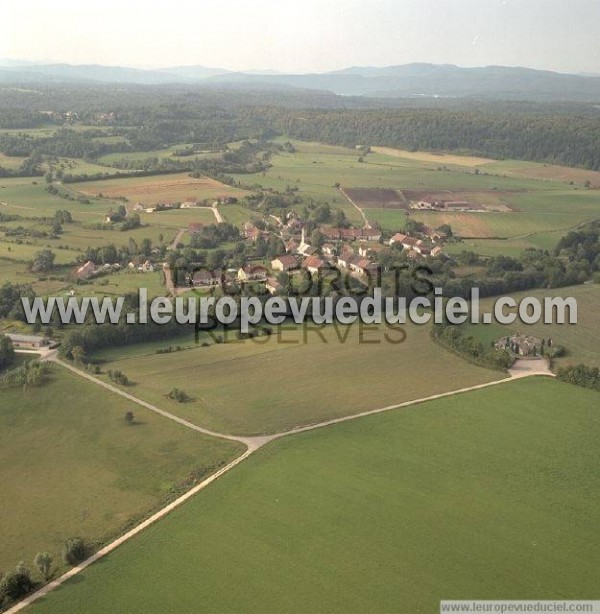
{"x":406,"y":81}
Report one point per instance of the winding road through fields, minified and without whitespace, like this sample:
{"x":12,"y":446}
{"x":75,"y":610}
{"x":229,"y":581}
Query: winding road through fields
{"x":521,"y":369}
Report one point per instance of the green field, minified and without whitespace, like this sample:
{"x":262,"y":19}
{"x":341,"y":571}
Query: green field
{"x":487,"y":495}
{"x":71,"y":466}
{"x":294,"y":378}
{"x":541,"y":206}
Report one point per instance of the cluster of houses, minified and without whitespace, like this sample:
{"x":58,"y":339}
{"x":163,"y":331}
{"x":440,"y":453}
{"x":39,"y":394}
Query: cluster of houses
{"x":90,"y":269}
{"x":414,"y":247}
{"x":339,"y":250}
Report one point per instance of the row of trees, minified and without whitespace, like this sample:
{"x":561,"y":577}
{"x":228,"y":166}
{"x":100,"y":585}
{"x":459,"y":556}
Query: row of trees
{"x":581,"y":375}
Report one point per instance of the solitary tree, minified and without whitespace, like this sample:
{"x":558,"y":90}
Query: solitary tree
{"x":129,"y":417}
{"x":43,"y":562}
{"x":42,"y":261}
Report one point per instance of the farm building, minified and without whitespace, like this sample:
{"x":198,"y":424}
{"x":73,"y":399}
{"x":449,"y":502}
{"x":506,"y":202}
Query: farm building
{"x":28,"y":341}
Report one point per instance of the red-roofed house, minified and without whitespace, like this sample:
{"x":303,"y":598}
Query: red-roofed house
{"x":284,"y":263}
{"x":314,"y":264}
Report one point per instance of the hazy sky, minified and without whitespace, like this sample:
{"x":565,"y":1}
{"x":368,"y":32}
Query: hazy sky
{"x":304,"y":35}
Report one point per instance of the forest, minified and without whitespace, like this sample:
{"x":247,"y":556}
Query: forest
{"x":151,"y":118}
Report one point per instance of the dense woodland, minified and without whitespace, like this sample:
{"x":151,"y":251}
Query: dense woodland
{"x":153,"y":118}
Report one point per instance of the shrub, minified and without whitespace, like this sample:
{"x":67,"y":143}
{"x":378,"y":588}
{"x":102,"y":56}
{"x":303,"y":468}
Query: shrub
{"x":118,"y":377}
{"x":74,"y":551}
{"x":178,"y":395}
{"x":15,"y":585}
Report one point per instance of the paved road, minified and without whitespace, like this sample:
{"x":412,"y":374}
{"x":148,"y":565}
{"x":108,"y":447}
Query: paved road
{"x":520,"y":370}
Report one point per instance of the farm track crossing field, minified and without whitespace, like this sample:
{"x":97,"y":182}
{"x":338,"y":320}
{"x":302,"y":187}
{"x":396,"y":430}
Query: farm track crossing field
{"x":490,"y":494}
{"x":82,"y":470}
{"x":320,"y":376}
{"x":169,"y":188}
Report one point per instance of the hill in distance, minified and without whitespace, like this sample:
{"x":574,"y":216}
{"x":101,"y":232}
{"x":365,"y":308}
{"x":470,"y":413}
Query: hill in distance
{"x":402,"y":81}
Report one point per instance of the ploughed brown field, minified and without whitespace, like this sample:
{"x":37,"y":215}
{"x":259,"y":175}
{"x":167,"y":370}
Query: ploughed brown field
{"x":377,"y":198}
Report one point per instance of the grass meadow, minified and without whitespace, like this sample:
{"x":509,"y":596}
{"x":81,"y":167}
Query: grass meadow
{"x":297,"y":377}
{"x":491,"y":494}
{"x":82,"y":471}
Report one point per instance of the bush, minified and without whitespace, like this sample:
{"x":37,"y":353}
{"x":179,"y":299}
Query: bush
{"x":74,"y":551}
{"x":118,"y":377}
{"x":580,"y":375}
{"x":15,"y":585}
{"x":178,"y":395}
